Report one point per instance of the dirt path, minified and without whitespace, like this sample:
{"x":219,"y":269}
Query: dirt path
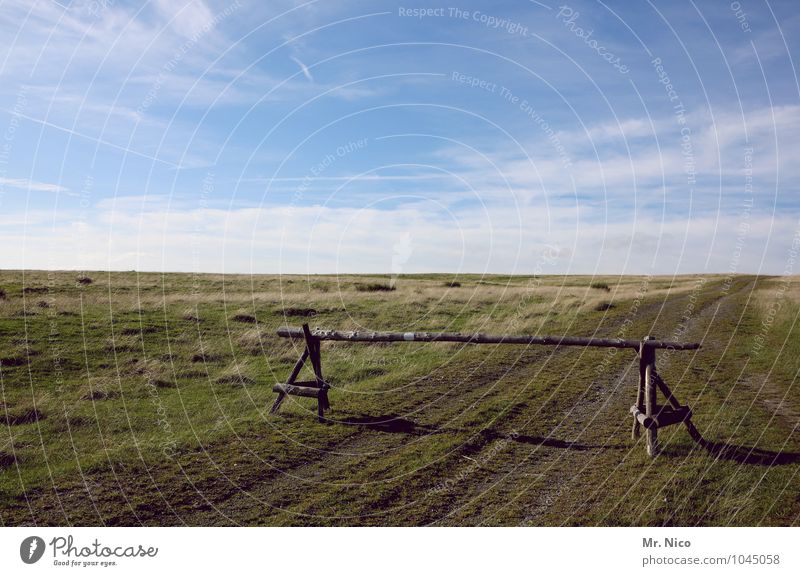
{"x":542,"y":464}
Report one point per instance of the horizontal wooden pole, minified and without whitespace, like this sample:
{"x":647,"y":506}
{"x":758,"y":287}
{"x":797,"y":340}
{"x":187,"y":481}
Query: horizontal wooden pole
{"x":310,"y":384}
{"x":479,"y":338}
{"x":665,"y":417}
{"x":296,"y":390}
{"x":643,"y":418}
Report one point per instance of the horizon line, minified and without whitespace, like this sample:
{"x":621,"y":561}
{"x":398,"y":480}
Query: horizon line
{"x":392,"y":274}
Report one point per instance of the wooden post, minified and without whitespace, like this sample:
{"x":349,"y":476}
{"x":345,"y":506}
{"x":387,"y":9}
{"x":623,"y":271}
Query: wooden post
{"x":640,"y":389}
{"x":639,"y":394}
{"x":651,"y":408}
{"x":312,"y":343}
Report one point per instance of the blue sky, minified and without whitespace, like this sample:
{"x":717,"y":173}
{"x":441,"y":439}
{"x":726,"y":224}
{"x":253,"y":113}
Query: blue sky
{"x":336,"y":137}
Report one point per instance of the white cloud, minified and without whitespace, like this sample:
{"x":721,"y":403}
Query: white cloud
{"x":497,"y":239}
{"x":32,"y":185}
{"x":602,"y":169}
{"x":188,"y":18}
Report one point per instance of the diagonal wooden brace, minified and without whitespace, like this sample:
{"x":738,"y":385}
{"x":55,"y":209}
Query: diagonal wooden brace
{"x":690,"y":427}
{"x":292,"y":377}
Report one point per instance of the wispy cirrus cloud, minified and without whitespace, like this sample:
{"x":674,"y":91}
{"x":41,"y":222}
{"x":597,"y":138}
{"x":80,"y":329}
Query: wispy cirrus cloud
{"x":32,"y":185}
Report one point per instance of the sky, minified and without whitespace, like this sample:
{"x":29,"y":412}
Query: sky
{"x":515,"y":137}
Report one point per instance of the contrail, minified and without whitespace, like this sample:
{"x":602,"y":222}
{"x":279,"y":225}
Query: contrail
{"x":304,"y":68}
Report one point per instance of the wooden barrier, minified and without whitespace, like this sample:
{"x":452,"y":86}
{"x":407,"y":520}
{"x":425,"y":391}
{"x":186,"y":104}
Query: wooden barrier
{"x":646,"y":411}
{"x":478,"y":338}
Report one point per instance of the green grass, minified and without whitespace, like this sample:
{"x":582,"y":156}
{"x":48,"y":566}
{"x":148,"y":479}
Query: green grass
{"x":143,"y":399}
{"x":375,"y":287}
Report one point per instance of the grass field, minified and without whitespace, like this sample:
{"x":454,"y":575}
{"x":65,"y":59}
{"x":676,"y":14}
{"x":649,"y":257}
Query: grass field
{"x":131,"y":399}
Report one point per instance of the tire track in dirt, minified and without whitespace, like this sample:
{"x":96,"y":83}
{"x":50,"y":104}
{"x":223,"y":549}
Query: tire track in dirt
{"x":334,"y":466}
{"x":329,"y":468}
{"x":593,"y":404}
{"x":521,"y":368}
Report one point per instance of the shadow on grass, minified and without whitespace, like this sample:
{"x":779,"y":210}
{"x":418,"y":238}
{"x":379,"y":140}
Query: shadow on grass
{"x":550,"y":442}
{"x":394,"y":424}
{"x":554,"y":443}
{"x":737,"y":452}
{"x":750,"y":454}
{"x":391,"y":423}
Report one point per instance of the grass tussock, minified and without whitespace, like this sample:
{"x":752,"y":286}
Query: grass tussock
{"x":138,"y":330}
{"x":12,"y":361}
{"x":99,"y":395}
{"x":240,"y":374}
{"x":21,"y":416}
{"x":252,"y":339}
{"x":299,"y":312}
{"x":101,"y":388}
{"x":164,"y":384}
{"x":124,"y":344}
{"x":151,"y":368}
{"x":206,"y":357}
{"x":375,"y":287}
{"x":7,"y":460}
{"x":190,"y":315}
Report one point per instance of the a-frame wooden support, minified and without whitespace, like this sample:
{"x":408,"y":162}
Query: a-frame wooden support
{"x":316,"y":388}
{"x":646,"y":412}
